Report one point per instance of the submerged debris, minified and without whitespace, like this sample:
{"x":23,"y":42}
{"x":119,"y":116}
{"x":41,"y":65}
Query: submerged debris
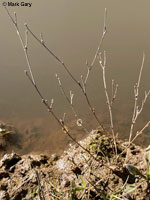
{"x":9,"y":137}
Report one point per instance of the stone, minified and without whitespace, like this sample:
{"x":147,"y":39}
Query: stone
{"x":4,"y":195}
{"x":9,"y":160}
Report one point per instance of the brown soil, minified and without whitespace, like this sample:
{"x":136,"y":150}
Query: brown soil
{"x":75,"y":174}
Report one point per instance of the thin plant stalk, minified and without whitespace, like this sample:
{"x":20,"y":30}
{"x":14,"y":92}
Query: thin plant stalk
{"x":109,"y":103}
{"x":41,"y":192}
{"x":70,"y":102}
{"x":24,"y":46}
{"x":137,"y":110}
{"x":114,"y":92}
{"x":89,"y":68}
{"x":141,"y":131}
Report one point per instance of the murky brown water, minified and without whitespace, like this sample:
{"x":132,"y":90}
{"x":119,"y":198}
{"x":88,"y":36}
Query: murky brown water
{"x":72,"y":30}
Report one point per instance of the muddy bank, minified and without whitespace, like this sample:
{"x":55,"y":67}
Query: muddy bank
{"x":35,"y":136}
{"x":75,"y":174}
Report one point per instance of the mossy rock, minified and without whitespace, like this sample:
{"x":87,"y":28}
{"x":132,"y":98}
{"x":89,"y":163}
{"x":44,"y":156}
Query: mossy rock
{"x":101,"y":145}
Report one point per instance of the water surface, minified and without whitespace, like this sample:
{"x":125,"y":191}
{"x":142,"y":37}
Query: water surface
{"x":72,"y":29}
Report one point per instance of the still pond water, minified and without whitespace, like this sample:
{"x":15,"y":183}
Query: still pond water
{"x":72,"y":29}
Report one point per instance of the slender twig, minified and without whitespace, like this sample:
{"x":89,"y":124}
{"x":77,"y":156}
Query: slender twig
{"x":137,"y":111}
{"x":70,"y":102}
{"x":24,"y":46}
{"x":71,"y":97}
{"x":103,"y":66}
{"x":41,"y":192}
{"x":141,"y":131}
{"x":114,"y":92}
{"x":89,"y":68}
{"x":104,"y":32}
{"x":83,"y":84}
{"x":87,"y":75}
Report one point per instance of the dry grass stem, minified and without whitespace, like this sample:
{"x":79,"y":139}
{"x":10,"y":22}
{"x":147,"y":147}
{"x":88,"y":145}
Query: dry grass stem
{"x":70,"y":101}
{"x":40,"y":192}
{"x":141,"y":131}
{"x":24,"y":46}
{"x":79,"y":122}
{"x":137,"y":110}
{"x":102,"y":38}
{"x":109,"y":104}
{"x":89,"y":68}
{"x":114,"y":92}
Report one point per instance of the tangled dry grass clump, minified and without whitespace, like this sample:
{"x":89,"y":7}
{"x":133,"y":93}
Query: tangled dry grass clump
{"x":98,"y":160}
